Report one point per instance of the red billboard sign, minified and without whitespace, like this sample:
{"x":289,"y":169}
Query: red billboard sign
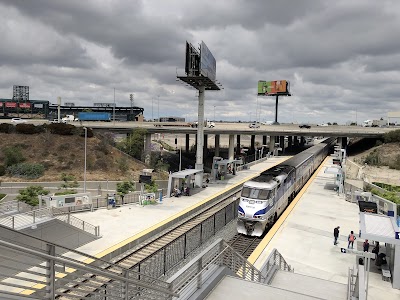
{"x":25,"y":105}
{"x":11,"y":104}
{"x":269,"y":88}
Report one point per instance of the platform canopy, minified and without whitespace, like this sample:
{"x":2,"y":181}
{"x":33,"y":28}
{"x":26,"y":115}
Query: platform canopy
{"x":181,"y":175}
{"x":379,"y":228}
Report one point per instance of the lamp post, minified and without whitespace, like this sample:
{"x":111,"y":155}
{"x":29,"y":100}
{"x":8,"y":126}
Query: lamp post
{"x":113,"y":112}
{"x":158,"y":108}
{"x":152,"y":117}
{"x":214,"y":113}
{"x":84,"y":173}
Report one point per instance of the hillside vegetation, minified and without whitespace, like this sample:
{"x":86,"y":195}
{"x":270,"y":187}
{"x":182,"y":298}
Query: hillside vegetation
{"x":45,"y":156}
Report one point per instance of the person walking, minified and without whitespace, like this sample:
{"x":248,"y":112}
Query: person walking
{"x":351,"y":238}
{"x":365,"y":246}
{"x":336,"y":235}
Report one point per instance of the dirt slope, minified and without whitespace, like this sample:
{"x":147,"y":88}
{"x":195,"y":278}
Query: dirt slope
{"x":65,"y":154}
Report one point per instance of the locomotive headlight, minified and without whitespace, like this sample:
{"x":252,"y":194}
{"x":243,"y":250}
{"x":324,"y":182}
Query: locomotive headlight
{"x":259,"y":202}
{"x":271,"y":202}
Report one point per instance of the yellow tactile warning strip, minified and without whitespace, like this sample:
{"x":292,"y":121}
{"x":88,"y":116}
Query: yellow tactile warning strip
{"x":271,"y":233}
{"x":146,"y":231}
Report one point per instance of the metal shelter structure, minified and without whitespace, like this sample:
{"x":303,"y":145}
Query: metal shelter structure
{"x":383,"y":229}
{"x":183,"y":175}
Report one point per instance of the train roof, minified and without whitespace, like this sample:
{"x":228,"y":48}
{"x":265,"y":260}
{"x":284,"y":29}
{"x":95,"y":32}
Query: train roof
{"x":278,"y":170}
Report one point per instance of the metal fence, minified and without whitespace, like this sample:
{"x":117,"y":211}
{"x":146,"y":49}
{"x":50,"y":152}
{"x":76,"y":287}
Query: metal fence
{"x":59,"y":276}
{"x":169,"y":256}
{"x":14,"y":206}
{"x":23,"y":220}
{"x":191,"y":278}
{"x":274,"y":262}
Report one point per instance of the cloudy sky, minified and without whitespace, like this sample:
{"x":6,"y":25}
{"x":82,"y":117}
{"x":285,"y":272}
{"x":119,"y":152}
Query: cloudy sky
{"x":342,"y":57}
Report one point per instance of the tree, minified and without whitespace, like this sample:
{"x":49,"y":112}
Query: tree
{"x":152,"y":187}
{"x":124,"y":188}
{"x":69,"y":181}
{"x":134,"y":143}
{"x":30,"y":194}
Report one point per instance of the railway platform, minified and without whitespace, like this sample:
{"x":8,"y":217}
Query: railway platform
{"x":125,"y":224}
{"x":304,"y":237}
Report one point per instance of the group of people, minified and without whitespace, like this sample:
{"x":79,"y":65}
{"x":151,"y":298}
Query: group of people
{"x":380,"y":258}
{"x":185,"y":191}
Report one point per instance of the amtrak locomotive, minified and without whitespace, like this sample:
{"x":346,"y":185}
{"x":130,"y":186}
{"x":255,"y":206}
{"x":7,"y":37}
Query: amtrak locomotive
{"x":264,"y":198}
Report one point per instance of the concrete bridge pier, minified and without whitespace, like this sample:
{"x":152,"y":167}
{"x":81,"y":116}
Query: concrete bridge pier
{"x":231,"y":152}
{"x":238,"y":145}
{"x":187,"y":140}
{"x":282,"y":143}
{"x":296,"y":140}
{"x":271,"y":144}
{"x":217,"y":136}
{"x":290,"y":141}
{"x":253,"y":144}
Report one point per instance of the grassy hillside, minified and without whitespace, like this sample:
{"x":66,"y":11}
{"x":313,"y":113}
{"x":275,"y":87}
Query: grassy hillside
{"x":65,"y":154}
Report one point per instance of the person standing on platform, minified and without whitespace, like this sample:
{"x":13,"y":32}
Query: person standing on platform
{"x":366,"y":246}
{"x":336,"y":235}
{"x":351,"y":238}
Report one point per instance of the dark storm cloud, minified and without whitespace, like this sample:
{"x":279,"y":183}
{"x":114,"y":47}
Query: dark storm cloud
{"x":341,"y":57}
{"x":121,"y":25}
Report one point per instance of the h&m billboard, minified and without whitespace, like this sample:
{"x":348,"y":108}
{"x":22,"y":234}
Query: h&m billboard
{"x":271,"y":88}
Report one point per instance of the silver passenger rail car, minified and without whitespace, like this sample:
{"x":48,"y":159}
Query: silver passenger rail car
{"x":265,"y":198}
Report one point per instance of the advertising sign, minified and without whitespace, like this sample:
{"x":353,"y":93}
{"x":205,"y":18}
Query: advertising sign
{"x":270,"y":88}
{"x":11,"y":104}
{"x":1,"y":104}
{"x":208,"y":65}
{"x":25,"y":105}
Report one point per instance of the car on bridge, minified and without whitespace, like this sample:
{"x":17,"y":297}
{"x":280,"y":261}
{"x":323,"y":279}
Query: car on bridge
{"x":254,"y":125}
{"x":304,"y":126}
{"x":18,"y":120}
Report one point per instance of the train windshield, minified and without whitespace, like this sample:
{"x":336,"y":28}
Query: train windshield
{"x":255,"y":193}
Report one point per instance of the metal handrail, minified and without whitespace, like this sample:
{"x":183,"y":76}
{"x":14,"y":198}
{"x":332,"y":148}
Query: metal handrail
{"x":22,"y":220}
{"x":80,"y":266}
{"x":220,"y":253}
{"x":274,"y":261}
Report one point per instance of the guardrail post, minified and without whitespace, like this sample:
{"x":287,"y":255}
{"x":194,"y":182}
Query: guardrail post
{"x":34,"y":216}
{"x":13,"y":222}
{"x":83,"y":225}
{"x":50,"y":273}
{"x":125,"y":286}
{"x":199,"y":277}
{"x":68,"y":218}
{"x":97,"y":230}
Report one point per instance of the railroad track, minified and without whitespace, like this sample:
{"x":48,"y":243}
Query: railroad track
{"x":82,"y":288}
{"x":244,"y":245}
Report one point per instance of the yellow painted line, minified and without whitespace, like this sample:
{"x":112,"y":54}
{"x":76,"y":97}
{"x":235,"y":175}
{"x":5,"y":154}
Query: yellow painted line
{"x":148,"y":230}
{"x":271,"y":233}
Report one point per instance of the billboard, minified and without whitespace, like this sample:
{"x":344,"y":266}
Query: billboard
{"x":192,"y":60}
{"x":21,"y":93}
{"x":11,"y":104}
{"x":271,"y":88}
{"x":208,"y":65}
{"x":24,"y":105}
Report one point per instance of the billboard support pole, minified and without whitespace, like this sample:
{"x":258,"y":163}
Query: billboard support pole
{"x":200,"y":138}
{"x":276,"y":111}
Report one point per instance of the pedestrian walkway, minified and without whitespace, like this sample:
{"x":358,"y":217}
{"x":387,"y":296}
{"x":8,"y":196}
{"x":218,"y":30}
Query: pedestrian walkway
{"x":122,"y":225}
{"x":305,"y":238}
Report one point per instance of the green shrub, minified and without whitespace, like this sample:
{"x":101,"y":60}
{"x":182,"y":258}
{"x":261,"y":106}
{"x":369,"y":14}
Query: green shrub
{"x":26,"y":128}
{"x":392,"y":136}
{"x":123,"y":164}
{"x":2,"y":196}
{"x":61,"y":128}
{"x":12,"y":156}
{"x":6,"y":128}
{"x":372,"y":158}
{"x":30,"y":195}
{"x":2,"y":170}
{"x":395,"y":164}
{"x":378,"y":143}
{"x":388,"y":187}
{"x":26,"y":170}
{"x":68,"y":192}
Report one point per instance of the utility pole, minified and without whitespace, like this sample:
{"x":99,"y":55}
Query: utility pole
{"x":158,"y":108}
{"x":131,"y":98}
{"x":114,"y":109}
